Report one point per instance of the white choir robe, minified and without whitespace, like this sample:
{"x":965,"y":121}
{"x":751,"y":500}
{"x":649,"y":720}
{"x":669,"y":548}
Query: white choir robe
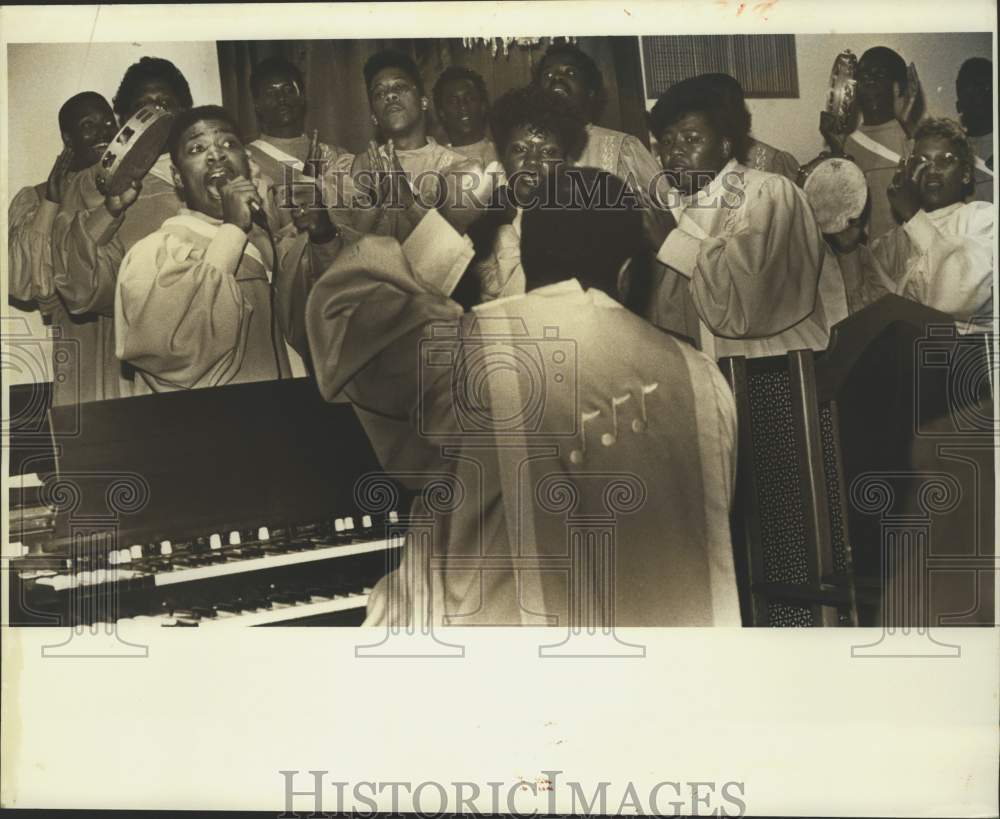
{"x":942,"y":259}
{"x":624,"y":156}
{"x":30,"y":279}
{"x":193,"y":303}
{"x":88,"y":245}
{"x":484,"y":151}
{"x":764,"y":157}
{"x":91,"y":372}
{"x":647,"y":440}
{"x":879,"y":167}
{"x":746,"y":271}
{"x":274,"y":154}
{"x":422,"y":167}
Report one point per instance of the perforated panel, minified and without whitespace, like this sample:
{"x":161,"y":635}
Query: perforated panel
{"x":779,"y":500}
{"x":841,"y":556}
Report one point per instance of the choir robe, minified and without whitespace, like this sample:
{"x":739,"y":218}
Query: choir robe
{"x":879,"y":169}
{"x":193,"y":303}
{"x":764,"y":157}
{"x":982,"y":146}
{"x":484,"y":151}
{"x":624,"y":156}
{"x":746,"y":271}
{"x":421,"y":166}
{"x":273,"y":154}
{"x":943,"y":259}
{"x":88,"y":244}
{"x":646,"y":440}
{"x":30,"y":220}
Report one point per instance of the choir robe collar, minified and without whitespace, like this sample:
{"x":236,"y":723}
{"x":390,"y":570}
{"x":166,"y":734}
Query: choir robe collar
{"x":200,"y":229}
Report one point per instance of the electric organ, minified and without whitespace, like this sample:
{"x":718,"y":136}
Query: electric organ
{"x":255,"y":504}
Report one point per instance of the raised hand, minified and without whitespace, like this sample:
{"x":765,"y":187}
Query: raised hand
{"x":312,"y":165}
{"x":117,"y":204}
{"x":835,"y":139}
{"x":904,"y":105}
{"x":59,"y":176}
{"x":236,"y":198}
{"x":469,"y":192}
{"x":903,"y":192}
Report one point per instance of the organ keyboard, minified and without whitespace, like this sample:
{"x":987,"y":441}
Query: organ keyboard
{"x":233,"y":506}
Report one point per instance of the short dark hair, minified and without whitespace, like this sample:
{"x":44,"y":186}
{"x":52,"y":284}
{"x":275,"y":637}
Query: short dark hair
{"x":893,"y":63}
{"x":150,"y":68}
{"x":542,"y":109}
{"x":392,"y":59}
{"x":70,"y":107}
{"x":592,"y":76}
{"x":459,"y":72}
{"x":731,"y":90}
{"x":974,"y":70}
{"x":588,"y":227}
{"x":696,"y":95}
{"x":274,"y":65}
{"x":185,"y":119}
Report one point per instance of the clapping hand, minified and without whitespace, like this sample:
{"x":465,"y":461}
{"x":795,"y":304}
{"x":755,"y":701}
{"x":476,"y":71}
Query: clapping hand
{"x":903,"y":193}
{"x":469,"y":190}
{"x":904,"y":106}
{"x":59,"y":176}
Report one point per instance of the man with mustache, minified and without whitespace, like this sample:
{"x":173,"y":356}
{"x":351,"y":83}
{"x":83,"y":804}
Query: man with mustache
{"x":87,"y":124}
{"x":396,"y":181}
{"x":887,"y":95}
{"x":202,"y":301}
{"x":974,"y":103}
{"x":462,"y":105}
{"x":745,"y":270}
{"x":279,"y":96}
{"x":89,"y":222}
{"x":568,"y":71}
{"x":942,"y":253}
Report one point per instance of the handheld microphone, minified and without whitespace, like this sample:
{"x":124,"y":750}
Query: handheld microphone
{"x":257,"y":215}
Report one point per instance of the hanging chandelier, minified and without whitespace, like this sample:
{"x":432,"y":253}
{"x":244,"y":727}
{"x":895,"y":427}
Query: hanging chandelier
{"x":504,"y":44}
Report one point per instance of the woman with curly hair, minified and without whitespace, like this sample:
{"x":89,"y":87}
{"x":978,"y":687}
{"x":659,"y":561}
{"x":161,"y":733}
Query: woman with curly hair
{"x":745,"y":270}
{"x":942,"y":253}
{"x":535,"y":132}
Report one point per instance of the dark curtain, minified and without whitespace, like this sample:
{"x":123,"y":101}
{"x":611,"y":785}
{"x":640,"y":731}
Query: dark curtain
{"x":338,"y":104}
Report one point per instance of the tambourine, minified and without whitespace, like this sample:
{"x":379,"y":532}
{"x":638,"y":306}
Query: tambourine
{"x":135,"y":149}
{"x":837,"y":192}
{"x":843,"y":85}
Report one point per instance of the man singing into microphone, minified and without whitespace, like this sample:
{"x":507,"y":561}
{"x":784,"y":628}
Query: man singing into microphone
{"x":196,"y":302}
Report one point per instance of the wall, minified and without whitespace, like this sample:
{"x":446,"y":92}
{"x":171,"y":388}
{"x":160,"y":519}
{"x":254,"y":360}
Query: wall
{"x":793,"y":124}
{"x":43,"y":76}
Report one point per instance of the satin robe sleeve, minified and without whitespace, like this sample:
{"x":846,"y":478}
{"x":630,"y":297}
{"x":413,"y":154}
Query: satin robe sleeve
{"x":180,"y":314}
{"x":637,"y":165}
{"x":501,"y":274}
{"x":951,"y":272}
{"x":300,"y":263}
{"x":367,"y":314}
{"x":763,"y":277}
{"x":86,"y":255}
{"x":29,"y":234}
